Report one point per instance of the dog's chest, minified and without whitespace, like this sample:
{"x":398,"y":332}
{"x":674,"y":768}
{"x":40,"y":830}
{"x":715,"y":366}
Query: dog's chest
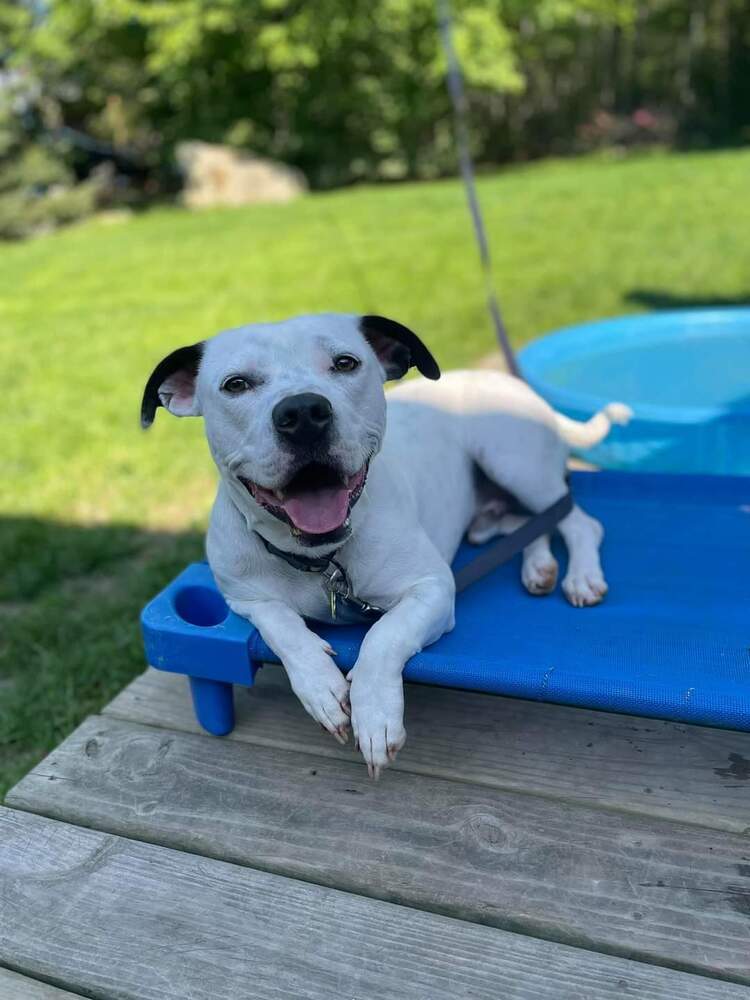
{"x":305,"y":592}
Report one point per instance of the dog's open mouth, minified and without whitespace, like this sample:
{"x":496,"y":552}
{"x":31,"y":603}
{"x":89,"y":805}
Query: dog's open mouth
{"x":316,"y":500}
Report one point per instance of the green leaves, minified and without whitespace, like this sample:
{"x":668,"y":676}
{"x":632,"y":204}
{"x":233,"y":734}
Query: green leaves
{"x":343,"y":91}
{"x":356,"y":90}
{"x":486,"y":48}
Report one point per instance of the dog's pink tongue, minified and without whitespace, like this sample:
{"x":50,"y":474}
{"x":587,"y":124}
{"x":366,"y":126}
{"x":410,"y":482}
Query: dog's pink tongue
{"x":318,"y":511}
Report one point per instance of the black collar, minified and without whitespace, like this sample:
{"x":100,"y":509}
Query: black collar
{"x":308,"y":564}
{"x":345,"y":608}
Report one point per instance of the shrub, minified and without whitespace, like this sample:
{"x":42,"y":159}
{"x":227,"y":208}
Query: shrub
{"x":38,"y":191}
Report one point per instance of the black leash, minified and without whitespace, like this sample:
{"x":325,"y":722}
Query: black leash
{"x":509,"y":545}
{"x":460,"y":112}
{"x":546,"y":522}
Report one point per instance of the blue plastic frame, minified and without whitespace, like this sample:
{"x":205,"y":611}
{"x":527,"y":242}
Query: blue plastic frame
{"x":215,"y":655}
{"x":672,"y":639}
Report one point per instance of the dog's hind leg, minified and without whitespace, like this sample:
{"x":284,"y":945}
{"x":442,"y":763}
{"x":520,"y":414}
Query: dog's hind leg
{"x":537,"y":486}
{"x":539,"y":569}
{"x":584,"y":583}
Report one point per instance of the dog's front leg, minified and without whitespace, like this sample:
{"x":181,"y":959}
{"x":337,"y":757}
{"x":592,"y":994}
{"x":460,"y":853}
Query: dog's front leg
{"x":315,"y":678}
{"x":422,"y":615}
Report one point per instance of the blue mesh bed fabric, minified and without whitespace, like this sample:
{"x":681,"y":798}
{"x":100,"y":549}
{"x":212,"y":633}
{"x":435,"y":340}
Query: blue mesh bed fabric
{"x":671,"y":639}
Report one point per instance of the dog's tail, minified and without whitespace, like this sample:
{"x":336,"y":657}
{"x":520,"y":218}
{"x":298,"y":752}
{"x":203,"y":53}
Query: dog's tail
{"x":579,"y":434}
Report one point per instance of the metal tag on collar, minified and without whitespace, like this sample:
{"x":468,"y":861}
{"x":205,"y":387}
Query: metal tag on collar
{"x":335,"y":583}
{"x":353,"y":611}
{"x":345,"y":608}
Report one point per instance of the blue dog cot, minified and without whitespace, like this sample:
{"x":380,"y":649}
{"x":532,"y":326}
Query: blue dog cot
{"x":685,"y":374}
{"x":671,"y":640}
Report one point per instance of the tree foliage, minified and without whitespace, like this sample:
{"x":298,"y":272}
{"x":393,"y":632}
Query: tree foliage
{"x":38,"y":190}
{"x":356,"y":90}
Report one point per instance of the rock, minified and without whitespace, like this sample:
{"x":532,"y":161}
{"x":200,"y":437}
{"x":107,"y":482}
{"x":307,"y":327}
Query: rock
{"x":220,"y":175}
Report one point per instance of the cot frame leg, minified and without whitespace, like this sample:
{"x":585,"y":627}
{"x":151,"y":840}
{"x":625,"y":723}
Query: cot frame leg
{"x":213,"y":702}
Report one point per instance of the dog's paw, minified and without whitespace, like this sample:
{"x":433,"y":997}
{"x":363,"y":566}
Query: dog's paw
{"x":377,"y":717}
{"x":324,"y":693}
{"x":539,"y":574}
{"x":585,"y":588}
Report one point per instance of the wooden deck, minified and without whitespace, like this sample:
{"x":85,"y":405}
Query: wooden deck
{"x":516,"y":850}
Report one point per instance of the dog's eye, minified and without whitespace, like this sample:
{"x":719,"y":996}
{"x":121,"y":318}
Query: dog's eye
{"x":235,"y":385}
{"x":345,"y":363}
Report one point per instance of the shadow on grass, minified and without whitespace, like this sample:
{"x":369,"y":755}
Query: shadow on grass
{"x":38,"y":555}
{"x":653,"y":298}
{"x":70,"y":599}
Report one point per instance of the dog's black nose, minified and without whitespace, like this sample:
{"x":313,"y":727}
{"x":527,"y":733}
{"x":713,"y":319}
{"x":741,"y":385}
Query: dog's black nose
{"x":303,"y":419}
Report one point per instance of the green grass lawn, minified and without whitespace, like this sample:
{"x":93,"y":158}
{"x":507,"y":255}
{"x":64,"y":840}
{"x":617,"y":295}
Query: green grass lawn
{"x":95,"y":516}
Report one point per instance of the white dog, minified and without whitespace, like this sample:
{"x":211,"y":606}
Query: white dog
{"x":321,"y":509}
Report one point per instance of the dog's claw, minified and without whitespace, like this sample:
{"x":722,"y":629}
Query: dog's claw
{"x":341,"y":735}
{"x":540,"y":576}
{"x":377,"y":717}
{"x":324,"y":694}
{"x":585,"y":589}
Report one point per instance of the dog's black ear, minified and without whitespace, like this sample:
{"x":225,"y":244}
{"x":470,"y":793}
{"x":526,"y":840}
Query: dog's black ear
{"x":172,"y":385}
{"x":398,"y":348}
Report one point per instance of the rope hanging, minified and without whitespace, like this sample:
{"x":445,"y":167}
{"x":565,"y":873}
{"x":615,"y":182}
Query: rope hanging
{"x":460,"y":112}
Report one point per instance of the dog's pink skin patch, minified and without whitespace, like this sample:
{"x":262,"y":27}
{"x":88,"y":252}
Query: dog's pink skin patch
{"x":318,"y":511}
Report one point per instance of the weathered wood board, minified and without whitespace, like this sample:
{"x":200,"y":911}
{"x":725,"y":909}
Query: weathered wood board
{"x":120,"y":920}
{"x":643,"y":888}
{"x":688,"y":773}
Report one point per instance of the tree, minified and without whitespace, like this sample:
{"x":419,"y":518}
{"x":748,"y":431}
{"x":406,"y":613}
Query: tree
{"x":356,"y":90}
{"x":38,"y":190}
{"x":343,"y":91}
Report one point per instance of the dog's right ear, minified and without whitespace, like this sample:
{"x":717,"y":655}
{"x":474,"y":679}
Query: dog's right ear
{"x":172,"y":385}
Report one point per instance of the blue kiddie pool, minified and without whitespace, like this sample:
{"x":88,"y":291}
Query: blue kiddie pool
{"x":685,"y":374}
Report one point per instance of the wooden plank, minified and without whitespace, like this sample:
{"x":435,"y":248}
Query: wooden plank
{"x":16,"y":987}
{"x":119,"y":919}
{"x":688,"y":773}
{"x":641,"y":888}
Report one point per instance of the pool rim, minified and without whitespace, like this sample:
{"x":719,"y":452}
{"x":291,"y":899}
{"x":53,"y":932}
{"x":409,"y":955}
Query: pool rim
{"x":568,"y":341}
